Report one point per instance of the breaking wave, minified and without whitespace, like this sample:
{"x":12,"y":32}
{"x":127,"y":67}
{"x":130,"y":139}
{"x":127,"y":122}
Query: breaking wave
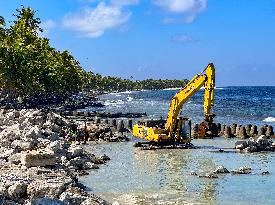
{"x":269,"y":119}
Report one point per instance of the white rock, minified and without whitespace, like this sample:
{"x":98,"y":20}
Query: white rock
{"x":70,"y":198}
{"x":38,"y":158}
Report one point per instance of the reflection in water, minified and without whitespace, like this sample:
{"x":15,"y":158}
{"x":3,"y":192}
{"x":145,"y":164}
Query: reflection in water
{"x":135,"y":176}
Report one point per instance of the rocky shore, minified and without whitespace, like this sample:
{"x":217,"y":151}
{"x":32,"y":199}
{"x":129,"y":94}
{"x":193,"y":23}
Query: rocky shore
{"x":41,"y":157}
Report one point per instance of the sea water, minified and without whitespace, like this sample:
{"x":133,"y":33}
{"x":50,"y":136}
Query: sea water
{"x":135,"y":176}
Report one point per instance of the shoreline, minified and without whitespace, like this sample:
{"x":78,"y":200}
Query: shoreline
{"x":38,"y":166}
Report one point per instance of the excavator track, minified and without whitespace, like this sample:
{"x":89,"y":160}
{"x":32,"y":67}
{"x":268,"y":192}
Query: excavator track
{"x":155,"y":146}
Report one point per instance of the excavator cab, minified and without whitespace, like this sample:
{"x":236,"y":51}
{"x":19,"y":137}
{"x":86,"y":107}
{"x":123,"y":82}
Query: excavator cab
{"x":183,"y":128}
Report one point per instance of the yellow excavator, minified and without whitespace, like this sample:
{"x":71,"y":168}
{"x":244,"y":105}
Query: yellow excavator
{"x":176,"y":130}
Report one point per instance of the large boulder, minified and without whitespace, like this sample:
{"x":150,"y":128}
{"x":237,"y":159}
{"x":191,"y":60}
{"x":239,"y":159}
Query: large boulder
{"x":221,"y":170}
{"x":48,"y":188}
{"x":38,"y":158}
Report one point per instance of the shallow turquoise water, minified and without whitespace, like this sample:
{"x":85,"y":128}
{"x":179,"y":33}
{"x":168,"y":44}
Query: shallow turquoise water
{"x":135,"y":176}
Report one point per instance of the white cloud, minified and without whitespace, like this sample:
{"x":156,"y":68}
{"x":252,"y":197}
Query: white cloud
{"x":189,"y":7}
{"x":124,"y":2}
{"x":93,"y":22}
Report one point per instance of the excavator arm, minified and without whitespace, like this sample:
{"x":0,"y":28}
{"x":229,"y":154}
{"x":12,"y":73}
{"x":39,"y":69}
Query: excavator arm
{"x":172,"y":131}
{"x":206,"y":79}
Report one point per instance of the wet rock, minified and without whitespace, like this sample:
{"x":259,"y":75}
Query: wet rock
{"x":221,"y":170}
{"x":250,"y":149}
{"x":265,"y":173}
{"x":104,"y":157}
{"x":262,"y":142}
{"x":241,"y":145}
{"x":210,"y":176}
{"x":38,"y":158}
{"x":242,"y":170}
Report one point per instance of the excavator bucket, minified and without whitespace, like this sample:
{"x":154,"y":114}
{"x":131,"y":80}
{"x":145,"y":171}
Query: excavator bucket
{"x":208,"y":130}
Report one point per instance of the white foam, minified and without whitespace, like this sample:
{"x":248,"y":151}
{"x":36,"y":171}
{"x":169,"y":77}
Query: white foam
{"x":171,"y":88}
{"x":269,"y":119}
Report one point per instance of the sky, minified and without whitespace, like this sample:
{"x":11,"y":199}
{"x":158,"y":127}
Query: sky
{"x":167,"y":39}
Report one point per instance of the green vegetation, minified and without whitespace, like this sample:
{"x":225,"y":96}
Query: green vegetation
{"x":108,"y":83}
{"x":29,"y":66}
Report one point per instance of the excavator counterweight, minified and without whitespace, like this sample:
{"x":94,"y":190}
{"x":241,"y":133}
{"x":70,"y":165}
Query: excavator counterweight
{"x":174,"y":130}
